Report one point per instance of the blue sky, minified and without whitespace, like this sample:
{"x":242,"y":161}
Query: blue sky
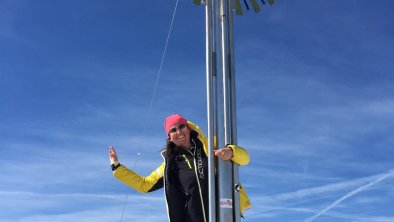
{"x":315,"y":101}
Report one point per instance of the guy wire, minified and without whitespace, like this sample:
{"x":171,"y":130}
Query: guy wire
{"x":152,"y":99}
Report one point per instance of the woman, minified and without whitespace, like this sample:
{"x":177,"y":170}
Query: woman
{"x":184,"y":171}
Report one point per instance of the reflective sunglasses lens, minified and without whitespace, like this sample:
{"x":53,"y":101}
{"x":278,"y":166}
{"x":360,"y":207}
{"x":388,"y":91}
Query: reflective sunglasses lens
{"x":181,"y":127}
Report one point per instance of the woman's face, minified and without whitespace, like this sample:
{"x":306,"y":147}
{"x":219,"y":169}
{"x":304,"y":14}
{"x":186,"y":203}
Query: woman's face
{"x":180,"y":135}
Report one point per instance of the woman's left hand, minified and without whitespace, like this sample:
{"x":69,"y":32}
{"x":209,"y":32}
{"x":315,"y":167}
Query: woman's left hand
{"x":224,"y":153}
{"x":113,"y":157}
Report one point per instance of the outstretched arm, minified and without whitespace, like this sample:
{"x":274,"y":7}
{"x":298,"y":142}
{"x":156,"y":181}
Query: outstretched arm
{"x":134,"y":180}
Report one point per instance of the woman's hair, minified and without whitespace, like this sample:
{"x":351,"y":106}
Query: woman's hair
{"x":170,"y":146}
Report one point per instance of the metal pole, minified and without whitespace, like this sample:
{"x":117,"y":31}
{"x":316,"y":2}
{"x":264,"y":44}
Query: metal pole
{"x":228,"y":200}
{"x":233,"y":114}
{"x":221,"y":110}
{"x":211,"y":74}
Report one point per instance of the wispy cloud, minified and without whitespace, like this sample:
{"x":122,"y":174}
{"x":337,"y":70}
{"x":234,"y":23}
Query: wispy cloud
{"x":82,"y":207}
{"x":350,"y":194}
{"x":302,"y":201}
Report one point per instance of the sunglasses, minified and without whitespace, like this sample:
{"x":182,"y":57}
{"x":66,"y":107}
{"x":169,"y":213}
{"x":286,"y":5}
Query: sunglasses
{"x":180,"y":128}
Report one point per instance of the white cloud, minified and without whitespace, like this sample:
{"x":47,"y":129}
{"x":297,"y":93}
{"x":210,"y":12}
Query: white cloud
{"x":28,"y":206}
{"x":304,"y":200}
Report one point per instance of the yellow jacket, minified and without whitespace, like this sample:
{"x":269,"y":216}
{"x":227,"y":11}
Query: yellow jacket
{"x":155,"y":179}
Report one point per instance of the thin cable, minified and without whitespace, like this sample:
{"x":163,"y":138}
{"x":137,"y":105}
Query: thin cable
{"x":152,"y":99}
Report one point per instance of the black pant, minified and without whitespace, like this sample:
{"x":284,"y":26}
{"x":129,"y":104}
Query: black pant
{"x":185,"y":207}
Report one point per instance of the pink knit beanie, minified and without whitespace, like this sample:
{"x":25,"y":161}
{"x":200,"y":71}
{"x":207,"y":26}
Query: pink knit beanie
{"x":172,"y":120}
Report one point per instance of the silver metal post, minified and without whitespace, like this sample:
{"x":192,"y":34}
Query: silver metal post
{"x":228,"y":199}
{"x":233,"y":113}
{"x":211,"y":73}
{"x":221,"y":110}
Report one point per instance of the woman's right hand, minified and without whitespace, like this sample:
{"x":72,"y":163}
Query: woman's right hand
{"x":113,"y":158}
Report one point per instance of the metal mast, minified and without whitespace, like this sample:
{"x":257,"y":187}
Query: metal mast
{"x":221,"y":109}
{"x":227,"y":207}
{"x":221,"y":106}
{"x":211,"y":79}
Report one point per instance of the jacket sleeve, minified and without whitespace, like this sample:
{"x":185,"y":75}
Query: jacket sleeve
{"x":140,"y":183}
{"x":240,"y":155}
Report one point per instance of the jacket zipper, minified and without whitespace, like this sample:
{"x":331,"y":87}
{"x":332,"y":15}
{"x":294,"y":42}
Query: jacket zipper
{"x":187,"y":161}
